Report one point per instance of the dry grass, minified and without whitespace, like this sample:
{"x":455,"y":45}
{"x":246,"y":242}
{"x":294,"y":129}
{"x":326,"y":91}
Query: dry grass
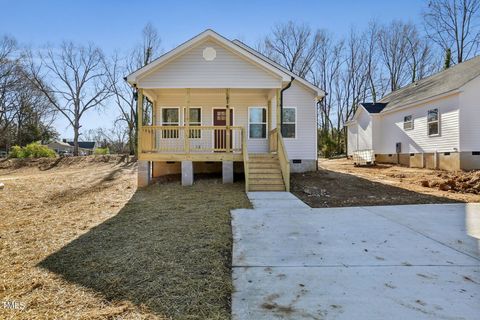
{"x":77,"y":241}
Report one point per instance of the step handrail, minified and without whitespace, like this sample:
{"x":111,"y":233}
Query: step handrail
{"x":284,"y":162}
{"x":245,"y":157}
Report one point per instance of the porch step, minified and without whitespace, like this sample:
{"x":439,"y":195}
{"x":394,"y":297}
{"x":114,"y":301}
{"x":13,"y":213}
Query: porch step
{"x":261,"y":187}
{"x":265,"y":181}
{"x":265,"y":173}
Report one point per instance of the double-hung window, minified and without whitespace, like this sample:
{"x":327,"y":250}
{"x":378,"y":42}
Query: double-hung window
{"x":170,"y":117}
{"x":408,"y":123}
{"x":433,"y":122}
{"x":257,"y":123}
{"x":289,"y":127}
{"x":195,"y":121}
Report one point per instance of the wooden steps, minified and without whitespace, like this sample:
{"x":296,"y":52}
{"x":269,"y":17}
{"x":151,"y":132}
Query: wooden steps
{"x":265,"y":173}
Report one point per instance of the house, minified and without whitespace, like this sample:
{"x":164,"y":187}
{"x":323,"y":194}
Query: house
{"x":64,"y":146}
{"x":432,"y":123}
{"x":217,"y":106}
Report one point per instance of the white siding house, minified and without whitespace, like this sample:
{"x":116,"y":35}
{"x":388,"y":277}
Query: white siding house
{"x":404,"y":133}
{"x":219,"y":101}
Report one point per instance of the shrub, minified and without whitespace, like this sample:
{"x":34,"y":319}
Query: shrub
{"x":100,"y":151}
{"x":32,"y":150}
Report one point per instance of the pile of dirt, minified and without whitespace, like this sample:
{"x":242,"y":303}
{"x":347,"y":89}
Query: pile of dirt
{"x":463,"y":182}
{"x":78,"y":162}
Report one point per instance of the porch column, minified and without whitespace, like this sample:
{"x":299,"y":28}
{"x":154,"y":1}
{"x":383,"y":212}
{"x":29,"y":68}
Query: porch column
{"x":139,"y":120}
{"x":187,"y":123}
{"x":279,"y":125}
{"x":227,"y":107}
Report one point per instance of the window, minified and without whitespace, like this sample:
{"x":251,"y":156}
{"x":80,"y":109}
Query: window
{"x":195,"y":121}
{"x":289,"y":126}
{"x":257,"y":123}
{"x":433,"y":122}
{"x":170,"y":117}
{"x":408,"y":123}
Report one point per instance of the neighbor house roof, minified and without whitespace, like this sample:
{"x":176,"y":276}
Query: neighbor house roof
{"x":373,"y":107}
{"x":83,"y":144}
{"x":440,"y":83}
{"x":237,"y":46}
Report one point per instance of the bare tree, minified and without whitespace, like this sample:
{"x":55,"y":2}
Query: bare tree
{"x":292,"y":45}
{"x":78,"y":81}
{"x":394,"y":44}
{"x":454,"y":24}
{"x":123,"y":94}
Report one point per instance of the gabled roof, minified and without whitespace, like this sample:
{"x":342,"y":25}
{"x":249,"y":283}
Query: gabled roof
{"x":440,"y":83}
{"x":240,"y":48}
{"x":373,"y":107}
{"x":83,"y":144}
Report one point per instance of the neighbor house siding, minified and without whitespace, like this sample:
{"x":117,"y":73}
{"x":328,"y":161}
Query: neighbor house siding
{"x":417,"y":140}
{"x":304,"y":144}
{"x":227,"y":70}
{"x":470,"y":117}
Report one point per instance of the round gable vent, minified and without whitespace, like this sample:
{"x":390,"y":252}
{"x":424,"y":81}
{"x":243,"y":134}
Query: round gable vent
{"x":209,"y":54}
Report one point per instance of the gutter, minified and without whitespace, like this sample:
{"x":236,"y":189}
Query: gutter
{"x":281,"y":101}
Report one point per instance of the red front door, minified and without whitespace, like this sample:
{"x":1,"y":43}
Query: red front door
{"x":220,"y":119}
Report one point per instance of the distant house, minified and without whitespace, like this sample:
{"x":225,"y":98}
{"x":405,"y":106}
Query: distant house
{"x":64,"y":146}
{"x":433,"y":123}
{"x":219,"y":105}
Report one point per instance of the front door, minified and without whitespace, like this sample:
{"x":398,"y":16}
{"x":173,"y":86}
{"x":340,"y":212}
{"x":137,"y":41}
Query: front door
{"x":220,"y":135}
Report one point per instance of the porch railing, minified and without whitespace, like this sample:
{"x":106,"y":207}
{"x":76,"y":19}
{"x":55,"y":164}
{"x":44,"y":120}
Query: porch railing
{"x":277,"y":145}
{"x":192,"y":139}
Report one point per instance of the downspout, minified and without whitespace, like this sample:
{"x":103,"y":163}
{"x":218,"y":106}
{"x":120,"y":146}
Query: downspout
{"x":281,"y":102}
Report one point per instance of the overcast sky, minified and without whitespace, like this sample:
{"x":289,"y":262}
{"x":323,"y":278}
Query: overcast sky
{"x":116,"y":25}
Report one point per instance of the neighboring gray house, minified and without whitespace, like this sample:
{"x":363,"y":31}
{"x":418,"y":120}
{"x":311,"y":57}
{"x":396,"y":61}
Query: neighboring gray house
{"x":84,"y":147}
{"x":433,"y":123}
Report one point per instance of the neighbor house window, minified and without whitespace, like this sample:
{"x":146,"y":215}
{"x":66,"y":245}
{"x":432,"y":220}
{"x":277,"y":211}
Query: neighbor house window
{"x":289,"y":126}
{"x":433,"y":122}
{"x":195,"y":121}
{"x":170,"y":117}
{"x":257,"y":122}
{"x":407,"y":123}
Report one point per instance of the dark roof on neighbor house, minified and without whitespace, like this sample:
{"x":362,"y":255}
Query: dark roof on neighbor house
{"x":373,"y":107}
{"x":442,"y":82}
{"x":83,"y":144}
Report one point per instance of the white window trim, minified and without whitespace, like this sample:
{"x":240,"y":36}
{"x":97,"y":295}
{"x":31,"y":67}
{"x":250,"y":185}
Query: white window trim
{"x":437,"y":121}
{"x":163,"y":123}
{"x":411,"y":123}
{"x":266,"y":122}
{"x":296,"y":122}
{"x":184,"y":111}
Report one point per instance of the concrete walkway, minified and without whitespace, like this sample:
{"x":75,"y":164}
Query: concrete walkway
{"x":386,"y":262}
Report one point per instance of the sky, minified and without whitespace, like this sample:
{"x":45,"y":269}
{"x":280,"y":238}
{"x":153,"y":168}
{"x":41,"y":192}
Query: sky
{"x":116,"y":25}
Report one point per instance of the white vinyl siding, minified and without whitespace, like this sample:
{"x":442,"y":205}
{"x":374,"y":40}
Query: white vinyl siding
{"x":227,"y":70}
{"x":470,"y":116}
{"x":304,"y":146}
{"x":417,"y":140}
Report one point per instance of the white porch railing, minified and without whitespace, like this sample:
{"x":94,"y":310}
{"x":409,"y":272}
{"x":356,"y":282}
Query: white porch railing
{"x":192,"y":139}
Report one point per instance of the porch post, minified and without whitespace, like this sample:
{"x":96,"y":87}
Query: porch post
{"x":279,"y":125}
{"x":139,"y":120}
{"x":187,"y":123}
{"x":227,"y":107}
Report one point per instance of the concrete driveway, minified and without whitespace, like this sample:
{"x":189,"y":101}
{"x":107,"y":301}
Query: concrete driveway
{"x":388,"y":262}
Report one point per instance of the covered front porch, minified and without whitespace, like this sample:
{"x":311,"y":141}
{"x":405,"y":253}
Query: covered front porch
{"x":214,"y":125}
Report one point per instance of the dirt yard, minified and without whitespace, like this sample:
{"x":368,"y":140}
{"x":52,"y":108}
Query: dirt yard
{"x":79,"y":242}
{"x":339,"y":184}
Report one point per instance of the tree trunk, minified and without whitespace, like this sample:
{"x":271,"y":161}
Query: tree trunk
{"x":76,"y":129}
